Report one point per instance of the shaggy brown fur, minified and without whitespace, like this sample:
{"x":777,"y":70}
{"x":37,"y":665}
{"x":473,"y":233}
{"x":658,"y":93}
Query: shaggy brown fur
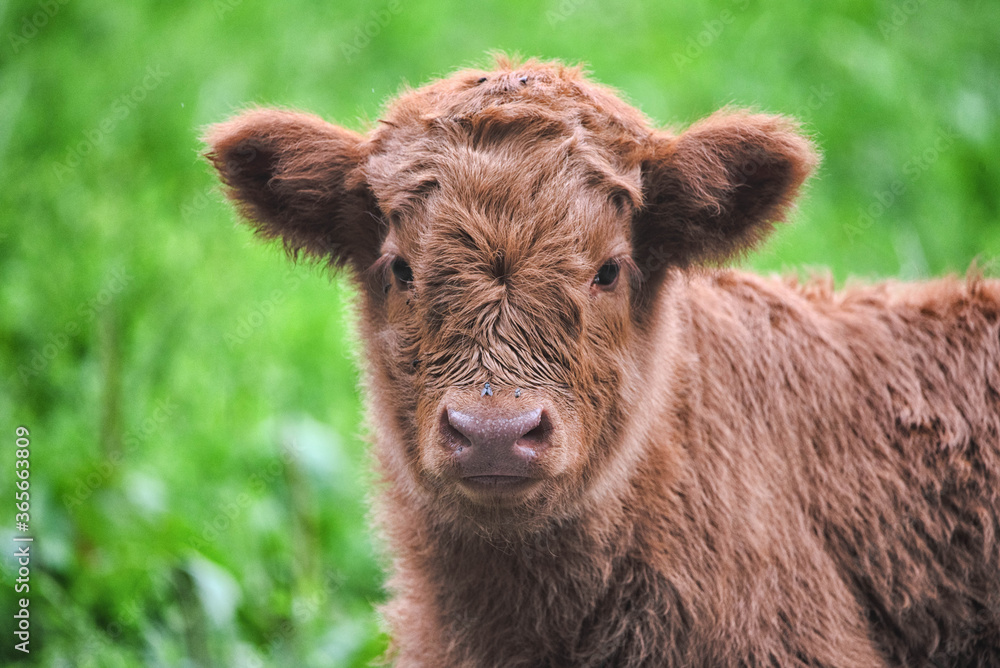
{"x":722,"y":470}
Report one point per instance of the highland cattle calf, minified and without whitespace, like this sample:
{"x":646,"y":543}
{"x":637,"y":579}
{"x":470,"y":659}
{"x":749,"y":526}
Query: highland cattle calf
{"x":599,"y":450}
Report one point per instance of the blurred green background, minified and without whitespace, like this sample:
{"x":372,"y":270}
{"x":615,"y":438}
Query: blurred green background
{"x":199,"y":469}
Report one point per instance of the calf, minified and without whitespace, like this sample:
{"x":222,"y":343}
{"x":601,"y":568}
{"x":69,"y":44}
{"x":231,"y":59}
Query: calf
{"x":594,"y":450}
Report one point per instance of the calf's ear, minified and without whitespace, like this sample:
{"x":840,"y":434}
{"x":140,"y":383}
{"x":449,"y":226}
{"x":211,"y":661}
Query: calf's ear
{"x":715,"y":190}
{"x":297,"y":178}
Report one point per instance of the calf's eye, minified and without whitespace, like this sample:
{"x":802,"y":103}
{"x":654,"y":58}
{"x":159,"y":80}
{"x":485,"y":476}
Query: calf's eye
{"x":607,"y":275}
{"x":401,"y":270}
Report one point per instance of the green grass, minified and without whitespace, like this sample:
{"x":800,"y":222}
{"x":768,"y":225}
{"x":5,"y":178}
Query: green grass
{"x":198,"y":467}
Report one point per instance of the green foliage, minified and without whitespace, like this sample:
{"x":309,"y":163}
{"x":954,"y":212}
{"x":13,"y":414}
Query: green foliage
{"x":198,"y":465}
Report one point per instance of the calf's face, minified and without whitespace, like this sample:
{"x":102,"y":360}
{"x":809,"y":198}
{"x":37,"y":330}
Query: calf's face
{"x":510,"y":232}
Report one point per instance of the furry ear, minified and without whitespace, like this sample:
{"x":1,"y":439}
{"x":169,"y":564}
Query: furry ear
{"x":716,"y":189}
{"x":296,"y":177}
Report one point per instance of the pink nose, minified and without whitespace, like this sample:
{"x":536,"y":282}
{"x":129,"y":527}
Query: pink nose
{"x":495,"y":433}
{"x":491,"y":444}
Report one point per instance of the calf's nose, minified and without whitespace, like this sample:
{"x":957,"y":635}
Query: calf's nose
{"x":489,"y":443}
{"x":496,"y":432}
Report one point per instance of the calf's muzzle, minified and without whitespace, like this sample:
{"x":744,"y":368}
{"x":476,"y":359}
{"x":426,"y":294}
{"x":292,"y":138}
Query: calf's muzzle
{"x":492,"y":446}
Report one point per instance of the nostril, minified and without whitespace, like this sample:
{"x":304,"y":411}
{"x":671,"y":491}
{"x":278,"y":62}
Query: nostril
{"x":455,"y":439}
{"x":537,"y":439}
{"x":541,"y":431}
{"x":536,"y":434}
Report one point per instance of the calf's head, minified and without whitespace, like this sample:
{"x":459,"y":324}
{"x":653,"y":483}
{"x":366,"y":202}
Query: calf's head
{"x":509,"y":231}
